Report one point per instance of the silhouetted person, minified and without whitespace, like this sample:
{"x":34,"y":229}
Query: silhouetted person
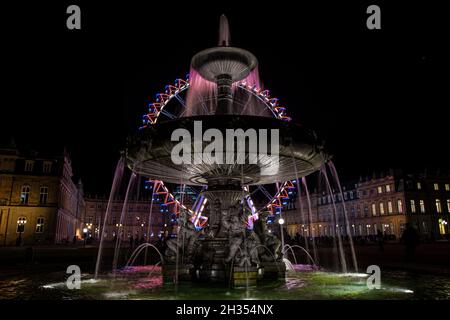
{"x":29,"y":255}
{"x":411,"y":240}
{"x":380,"y":240}
{"x":131,"y":241}
{"x":74,"y":240}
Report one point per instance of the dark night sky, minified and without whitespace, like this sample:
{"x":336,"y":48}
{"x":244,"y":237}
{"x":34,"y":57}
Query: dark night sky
{"x":379,"y":98}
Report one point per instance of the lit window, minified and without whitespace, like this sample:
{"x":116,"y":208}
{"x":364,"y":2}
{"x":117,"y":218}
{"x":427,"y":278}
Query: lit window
{"x":447,"y":187}
{"x":419,"y":186}
{"x":374,"y":209}
{"x":448,"y":205}
{"x":413,"y":206}
{"x":25,"y":194}
{"x":442,"y":226}
{"x":381,"y":208}
{"x":390,"y":209}
{"x":400,"y":206}
{"x":43,"y":195}
{"x":436,"y":186}
{"x":380,"y":189}
{"x":40,"y":225}
{"x":21,"y":221}
{"x":47,"y":167}
{"x":438,"y":206}
{"x":388,"y":188}
{"x":29,"y":165}
{"x":422,"y":206}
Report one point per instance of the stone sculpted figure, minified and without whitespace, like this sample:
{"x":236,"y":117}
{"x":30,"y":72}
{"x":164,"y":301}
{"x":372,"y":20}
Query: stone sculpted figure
{"x":185,"y":241}
{"x":268,"y":240}
{"x":235,"y":226}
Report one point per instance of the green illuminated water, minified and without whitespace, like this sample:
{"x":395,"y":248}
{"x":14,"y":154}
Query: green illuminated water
{"x":297,"y":285}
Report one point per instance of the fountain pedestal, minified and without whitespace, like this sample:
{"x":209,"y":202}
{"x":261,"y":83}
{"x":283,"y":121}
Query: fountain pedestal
{"x":244,"y":277}
{"x":273,"y":270}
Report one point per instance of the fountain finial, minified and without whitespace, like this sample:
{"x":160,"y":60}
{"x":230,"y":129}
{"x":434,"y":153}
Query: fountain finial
{"x":224,"y":32}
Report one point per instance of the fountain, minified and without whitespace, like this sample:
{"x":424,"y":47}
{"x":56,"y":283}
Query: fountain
{"x":218,"y":71}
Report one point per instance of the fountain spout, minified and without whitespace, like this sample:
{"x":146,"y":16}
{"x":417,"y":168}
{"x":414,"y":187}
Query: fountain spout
{"x":224,"y":32}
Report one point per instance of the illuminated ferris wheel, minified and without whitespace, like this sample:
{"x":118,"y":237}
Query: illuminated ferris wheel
{"x":171,"y":104}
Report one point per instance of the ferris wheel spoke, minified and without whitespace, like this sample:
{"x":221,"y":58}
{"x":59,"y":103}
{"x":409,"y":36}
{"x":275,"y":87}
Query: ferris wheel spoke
{"x":265,"y":192}
{"x":168,"y":114}
{"x":180,"y":100}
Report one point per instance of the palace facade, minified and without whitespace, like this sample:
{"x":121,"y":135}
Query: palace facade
{"x":385,"y":203}
{"x":39,"y":202}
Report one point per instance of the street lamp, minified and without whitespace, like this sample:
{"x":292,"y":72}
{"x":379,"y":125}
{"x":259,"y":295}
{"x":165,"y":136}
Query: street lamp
{"x":85,"y":231}
{"x":281,"y":222}
{"x":21,"y":227}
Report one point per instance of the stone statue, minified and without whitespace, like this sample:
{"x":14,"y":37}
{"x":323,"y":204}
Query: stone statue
{"x":214,"y":219}
{"x":266,"y":239}
{"x":186,"y":240}
{"x":235,"y":229}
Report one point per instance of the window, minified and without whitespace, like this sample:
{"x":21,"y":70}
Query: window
{"x":40,"y":225}
{"x":366,"y":211}
{"x":448,"y":205}
{"x":413,"y":206}
{"x":422,"y":206}
{"x":436,"y":187}
{"x":47,"y":167}
{"x":419,"y":186}
{"x":29,"y":164}
{"x":447,"y":187}
{"x":388,"y":188}
{"x":351,"y":194}
{"x":25,"y":194}
{"x":380,"y":189}
{"x":43,"y":195}
{"x":400,"y":206}
{"x":438,"y":206}
{"x":390,"y":209}
{"x":381,"y":208}
{"x":374,"y":209}
{"x":21,"y":221}
{"x":442,"y":226}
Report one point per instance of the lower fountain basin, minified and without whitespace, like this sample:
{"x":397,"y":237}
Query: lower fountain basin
{"x":149,"y":151}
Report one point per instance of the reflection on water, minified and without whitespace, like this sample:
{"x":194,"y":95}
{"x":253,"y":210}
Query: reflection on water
{"x":146,"y":283}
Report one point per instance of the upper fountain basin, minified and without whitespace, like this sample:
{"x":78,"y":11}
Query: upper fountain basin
{"x":213,"y":62}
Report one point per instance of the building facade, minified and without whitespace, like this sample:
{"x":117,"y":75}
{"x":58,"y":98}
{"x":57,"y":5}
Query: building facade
{"x":39,"y":202}
{"x":384,"y":203}
{"x":134,"y":224}
{"x":143,"y":218}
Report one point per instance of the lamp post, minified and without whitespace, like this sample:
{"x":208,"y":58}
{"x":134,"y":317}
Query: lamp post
{"x":281,"y":222}
{"x":85,"y":232}
{"x":21,"y":227}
